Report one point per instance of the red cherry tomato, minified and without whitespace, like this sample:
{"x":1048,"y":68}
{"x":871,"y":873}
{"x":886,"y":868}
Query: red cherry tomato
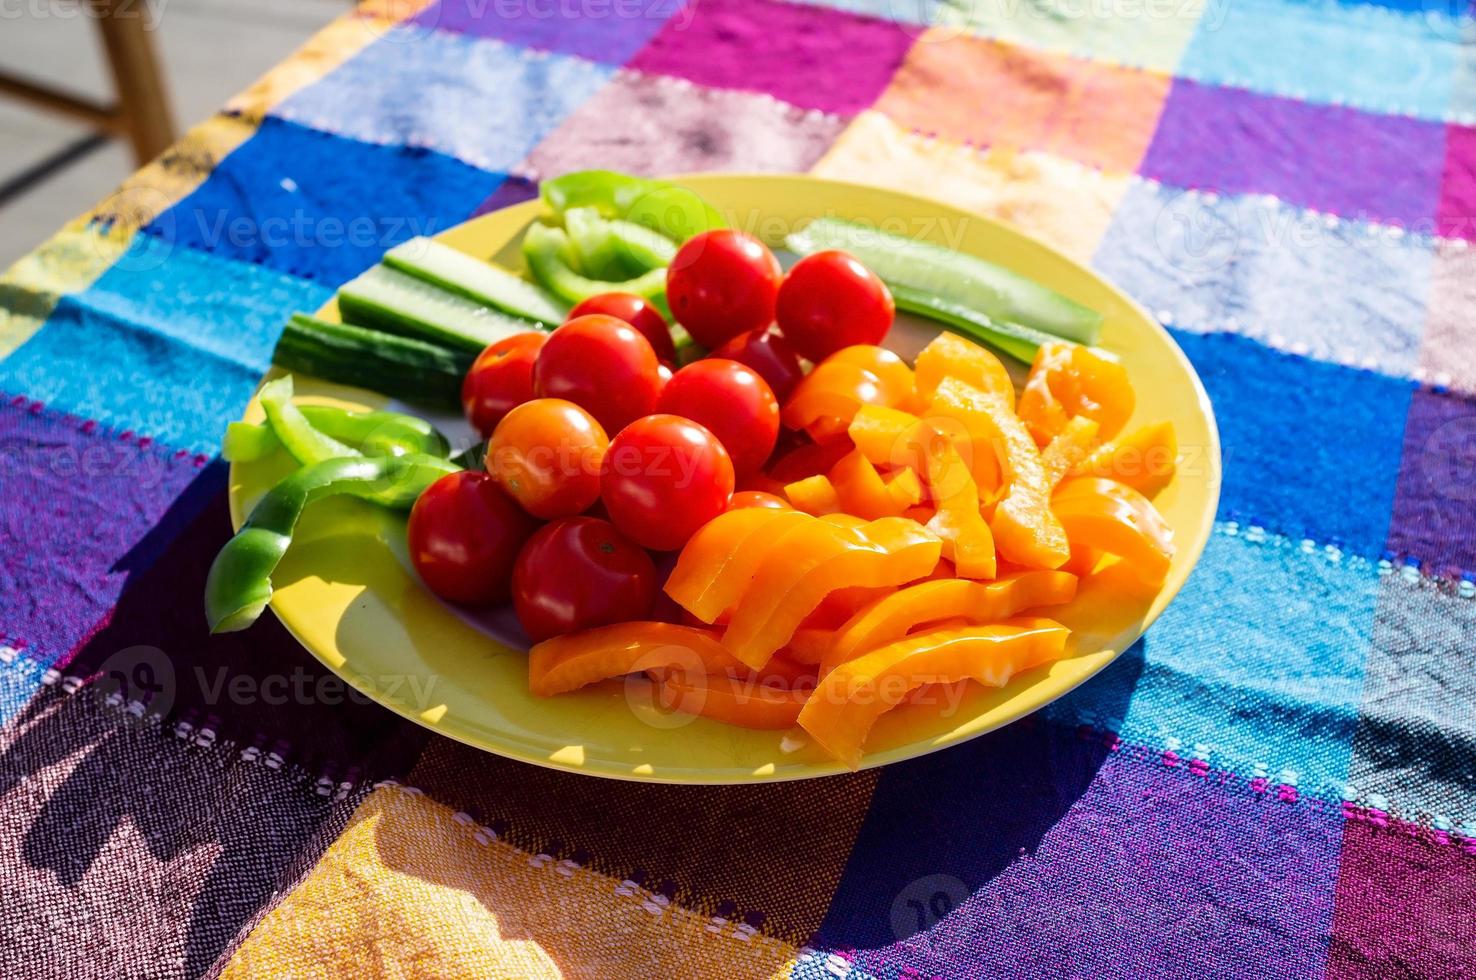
{"x":546,"y":454}
{"x":768,"y":354}
{"x":829,"y":300}
{"x":464,"y":535}
{"x":500,"y":379}
{"x":604,"y":366}
{"x":732,"y":402}
{"x":722,"y":283}
{"x":757,"y":498}
{"x":637,"y":312}
{"x":664,"y":478}
{"x":579,"y":573}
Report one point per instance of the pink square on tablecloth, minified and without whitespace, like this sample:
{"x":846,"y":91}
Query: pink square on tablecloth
{"x":1457,"y":216}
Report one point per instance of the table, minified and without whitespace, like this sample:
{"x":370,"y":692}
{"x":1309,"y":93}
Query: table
{"x":1276,"y":782}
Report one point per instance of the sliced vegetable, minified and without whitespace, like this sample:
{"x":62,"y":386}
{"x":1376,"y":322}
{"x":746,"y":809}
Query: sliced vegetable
{"x":371,"y":433}
{"x":1025,"y":531}
{"x":1114,"y":518}
{"x":860,"y":489}
{"x":1018,"y":341}
{"x":414,"y":370}
{"x":956,"y":277}
{"x":1143,"y":459}
{"x":306,"y":444}
{"x":809,"y":563}
{"x":456,"y":272}
{"x":1067,"y":381}
{"x":897,"y":379}
{"x":718,"y":563}
{"x":967,"y":540}
{"x":239,"y":584}
{"x":814,"y":495}
{"x":550,"y":258}
{"x":893,"y":616}
{"x":824,"y":403}
{"x":742,"y":701}
{"x":1069,"y":447}
{"x":659,"y":205}
{"x":568,"y":662}
{"x":850,"y":699}
{"x":615,"y":249}
{"x":948,"y":356}
{"x":397,"y":302}
{"x":887,"y":437}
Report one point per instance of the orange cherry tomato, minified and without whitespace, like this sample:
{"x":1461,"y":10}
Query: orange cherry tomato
{"x":757,"y":498}
{"x":547,"y":454}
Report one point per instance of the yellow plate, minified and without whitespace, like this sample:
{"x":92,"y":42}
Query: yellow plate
{"x":345,"y":592}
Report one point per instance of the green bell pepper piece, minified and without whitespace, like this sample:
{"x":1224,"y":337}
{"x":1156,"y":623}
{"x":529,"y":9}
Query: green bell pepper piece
{"x":239,"y":584}
{"x":371,"y":433}
{"x":551,"y":260}
{"x":658,"y":205}
{"x":306,"y":444}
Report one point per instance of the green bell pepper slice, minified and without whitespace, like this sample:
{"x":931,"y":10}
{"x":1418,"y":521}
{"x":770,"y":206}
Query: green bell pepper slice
{"x":371,"y":433}
{"x":658,"y":205}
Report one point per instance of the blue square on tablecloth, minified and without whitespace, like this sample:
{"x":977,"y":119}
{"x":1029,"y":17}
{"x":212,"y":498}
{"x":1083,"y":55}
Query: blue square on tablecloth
{"x":481,"y":101}
{"x":1381,"y":60}
{"x":1311,"y":449}
{"x":319,"y":206}
{"x":1344,"y":290}
{"x":168,"y":342}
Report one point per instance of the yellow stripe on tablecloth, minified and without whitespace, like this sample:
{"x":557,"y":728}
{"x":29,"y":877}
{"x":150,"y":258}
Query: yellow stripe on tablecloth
{"x":326,"y":50}
{"x":1062,"y":202}
{"x":408,"y":890}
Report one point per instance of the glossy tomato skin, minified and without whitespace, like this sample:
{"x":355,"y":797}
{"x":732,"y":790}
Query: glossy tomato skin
{"x":546,"y":454}
{"x":757,"y":498}
{"x":767,"y":353}
{"x":732,"y":402}
{"x":722,"y":283}
{"x":664,"y":478}
{"x":604,"y":366}
{"x":465,"y":535}
{"x":637,"y":312}
{"x":578,"y":573}
{"x":500,"y":379}
{"x":829,"y":300}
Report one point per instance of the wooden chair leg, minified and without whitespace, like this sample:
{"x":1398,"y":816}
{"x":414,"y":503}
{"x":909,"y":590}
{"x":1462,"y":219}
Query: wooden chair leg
{"x":146,"y":118}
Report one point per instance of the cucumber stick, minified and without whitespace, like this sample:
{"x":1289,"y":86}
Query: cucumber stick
{"x":953,"y":277}
{"x":455,"y":271}
{"x":1013,"y":339}
{"x":402,"y":367}
{"x":550,"y":258}
{"x":397,"y":302}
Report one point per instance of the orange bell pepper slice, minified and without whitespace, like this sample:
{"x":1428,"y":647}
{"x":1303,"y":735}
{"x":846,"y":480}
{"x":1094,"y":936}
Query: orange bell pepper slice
{"x":1144,"y":459}
{"x":1070,"y":447}
{"x":814,"y":495}
{"x":742,"y":701}
{"x":860,"y":490}
{"x":809,"y":459}
{"x":891,"y":617}
{"x":952,"y":356}
{"x":1118,"y":520}
{"x":708,"y":552}
{"x":967,"y":540}
{"x":714,"y":578}
{"x":888,"y":437}
{"x":825,"y":401}
{"x":850,"y":699}
{"x":905,"y":489}
{"x":1068,"y":380}
{"x":807,"y":565}
{"x":568,"y":662}
{"x":810,"y":644}
{"x":1025,"y":530}
{"x":895,"y":376}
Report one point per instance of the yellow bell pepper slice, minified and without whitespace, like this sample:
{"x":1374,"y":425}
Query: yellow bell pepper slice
{"x":895,"y":376}
{"x":888,"y":437}
{"x":849,"y":700}
{"x":1070,"y":446}
{"x":1118,"y":520}
{"x":1144,"y":459}
{"x":712,"y":572}
{"x":1068,"y":380}
{"x":709,"y":551}
{"x":568,"y":662}
{"x":742,"y":701}
{"x":807,"y":565}
{"x":950,"y":356}
{"x":826,"y":400}
{"x":891,"y":617}
{"x":1025,"y":531}
{"x":814,"y":495}
{"x":860,"y":490}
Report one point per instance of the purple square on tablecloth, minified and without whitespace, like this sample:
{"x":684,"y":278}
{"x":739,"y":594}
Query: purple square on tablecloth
{"x":1328,"y":158}
{"x":808,"y":56}
{"x":1435,"y":499}
{"x":609,"y":33}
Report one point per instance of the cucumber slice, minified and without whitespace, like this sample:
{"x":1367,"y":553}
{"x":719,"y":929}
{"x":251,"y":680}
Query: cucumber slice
{"x":402,"y":367}
{"x":396,"y":302}
{"x":1013,"y":339}
{"x":456,"y":272}
{"x":548,"y":253}
{"x":954,"y":277}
